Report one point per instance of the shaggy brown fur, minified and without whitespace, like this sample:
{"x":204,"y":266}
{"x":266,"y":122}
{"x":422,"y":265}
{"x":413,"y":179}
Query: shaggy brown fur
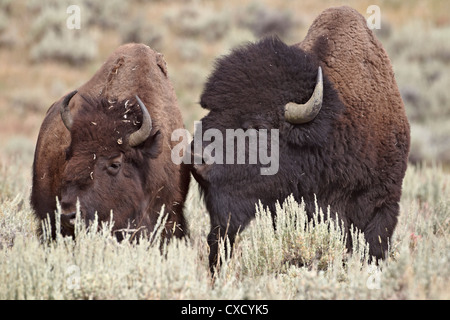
{"x":70,"y":165}
{"x":357,"y":64}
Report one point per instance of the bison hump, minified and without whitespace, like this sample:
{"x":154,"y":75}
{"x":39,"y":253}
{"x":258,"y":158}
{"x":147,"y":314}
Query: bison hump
{"x":359,"y":68}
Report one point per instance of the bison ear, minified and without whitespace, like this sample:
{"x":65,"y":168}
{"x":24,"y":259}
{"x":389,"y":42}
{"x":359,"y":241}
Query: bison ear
{"x":161,"y":63}
{"x":65,"y":110}
{"x":152,"y":147}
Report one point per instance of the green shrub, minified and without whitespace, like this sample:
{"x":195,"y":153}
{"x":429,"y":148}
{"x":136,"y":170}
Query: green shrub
{"x":262,"y":20}
{"x":420,"y":55}
{"x":105,"y":14}
{"x":16,"y":220}
{"x":297,"y":260}
{"x":140,"y":31}
{"x":294,"y":241}
{"x":72,"y":47}
{"x":52,"y":40}
{"x":199,"y":22}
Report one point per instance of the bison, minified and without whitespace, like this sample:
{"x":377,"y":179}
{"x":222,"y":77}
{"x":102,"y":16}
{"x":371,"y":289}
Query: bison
{"x":343,"y":132}
{"x":107,"y":147}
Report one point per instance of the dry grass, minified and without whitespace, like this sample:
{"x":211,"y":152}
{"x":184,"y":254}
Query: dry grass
{"x":298,"y":260}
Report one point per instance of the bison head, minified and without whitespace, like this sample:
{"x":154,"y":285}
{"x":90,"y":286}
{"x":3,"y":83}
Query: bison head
{"x":107,"y":162}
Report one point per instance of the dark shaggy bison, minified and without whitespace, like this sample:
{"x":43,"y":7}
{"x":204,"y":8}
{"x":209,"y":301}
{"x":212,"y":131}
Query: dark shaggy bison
{"x":107,"y":145}
{"x":343,"y":132}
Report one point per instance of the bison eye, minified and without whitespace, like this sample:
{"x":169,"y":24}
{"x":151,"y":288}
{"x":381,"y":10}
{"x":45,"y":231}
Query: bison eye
{"x":114,"y":164}
{"x":114,"y":168}
{"x":253,"y":125}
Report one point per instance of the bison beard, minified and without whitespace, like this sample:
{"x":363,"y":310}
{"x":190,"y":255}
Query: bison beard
{"x":348,"y":162}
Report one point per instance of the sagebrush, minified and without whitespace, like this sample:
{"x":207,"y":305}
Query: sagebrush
{"x":299,"y":259}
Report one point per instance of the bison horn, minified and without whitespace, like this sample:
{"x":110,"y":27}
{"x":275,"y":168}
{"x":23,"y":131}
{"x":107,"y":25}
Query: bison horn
{"x":136,"y":138}
{"x":65,"y":110}
{"x":301,"y":113}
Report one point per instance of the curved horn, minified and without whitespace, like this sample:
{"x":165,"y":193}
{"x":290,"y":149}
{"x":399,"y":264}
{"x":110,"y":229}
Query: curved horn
{"x":136,"y":138}
{"x":302,"y":113}
{"x":65,"y":110}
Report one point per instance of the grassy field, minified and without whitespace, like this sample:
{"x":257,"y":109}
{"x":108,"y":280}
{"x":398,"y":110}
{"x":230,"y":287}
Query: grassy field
{"x":40,"y":60}
{"x":297,"y":261}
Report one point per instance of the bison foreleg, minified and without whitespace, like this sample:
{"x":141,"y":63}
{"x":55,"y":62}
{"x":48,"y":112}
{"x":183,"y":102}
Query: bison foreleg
{"x":379,"y":230}
{"x":220,"y":236}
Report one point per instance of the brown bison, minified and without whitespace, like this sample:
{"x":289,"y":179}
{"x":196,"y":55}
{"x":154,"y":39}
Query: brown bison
{"x":343,"y":132}
{"x":107,"y":147}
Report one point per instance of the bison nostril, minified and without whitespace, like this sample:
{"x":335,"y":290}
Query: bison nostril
{"x":68,"y":219}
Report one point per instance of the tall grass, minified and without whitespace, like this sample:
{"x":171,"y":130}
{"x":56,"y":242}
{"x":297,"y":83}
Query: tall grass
{"x":299,"y":259}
